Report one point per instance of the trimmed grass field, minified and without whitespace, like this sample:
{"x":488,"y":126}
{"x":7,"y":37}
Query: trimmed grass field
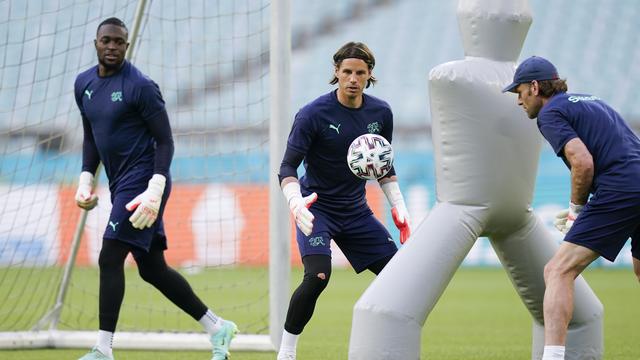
{"x":478,"y":317}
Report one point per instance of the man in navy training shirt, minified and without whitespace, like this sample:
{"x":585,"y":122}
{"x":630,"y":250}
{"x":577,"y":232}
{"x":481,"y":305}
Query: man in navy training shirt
{"x":127,"y":128}
{"x":603,"y":155}
{"x":329,"y":201}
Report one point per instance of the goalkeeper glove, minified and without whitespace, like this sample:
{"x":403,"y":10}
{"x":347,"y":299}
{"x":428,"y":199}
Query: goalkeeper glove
{"x":299,"y":206}
{"x":399,"y":209}
{"x":85,"y":198}
{"x":565,"y":218}
{"x":147,"y":204}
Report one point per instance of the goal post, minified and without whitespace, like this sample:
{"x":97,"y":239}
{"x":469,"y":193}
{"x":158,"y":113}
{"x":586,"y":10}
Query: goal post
{"x":280,"y":90}
{"x":223,"y":69}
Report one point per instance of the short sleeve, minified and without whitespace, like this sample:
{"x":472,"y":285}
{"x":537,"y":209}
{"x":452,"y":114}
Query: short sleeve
{"x":556,"y":129}
{"x":77,"y":92}
{"x":302,"y":134}
{"x":387,"y":127}
{"x":150,"y":101}
{"x":387,"y":133}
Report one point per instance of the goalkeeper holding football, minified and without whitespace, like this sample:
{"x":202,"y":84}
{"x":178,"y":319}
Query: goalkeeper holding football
{"x":328,"y":203}
{"x":127,"y":128}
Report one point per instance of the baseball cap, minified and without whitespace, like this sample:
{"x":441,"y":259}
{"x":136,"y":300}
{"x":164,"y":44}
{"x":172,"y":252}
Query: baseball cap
{"x":533,"y":68}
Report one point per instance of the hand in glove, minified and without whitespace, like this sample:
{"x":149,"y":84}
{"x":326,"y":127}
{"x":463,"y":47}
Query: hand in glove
{"x":299,"y":206}
{"x":147,"y":204}
{"x":399,"y":209}
{"x":565,"y":218}
{"x":85,"y":198}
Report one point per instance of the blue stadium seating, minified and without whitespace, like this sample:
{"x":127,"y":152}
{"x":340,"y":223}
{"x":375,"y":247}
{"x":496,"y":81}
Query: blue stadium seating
{"x":43,"y":43}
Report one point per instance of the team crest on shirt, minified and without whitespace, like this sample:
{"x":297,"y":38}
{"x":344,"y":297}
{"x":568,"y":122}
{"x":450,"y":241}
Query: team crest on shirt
{"x":374,"y":128}
{"x":116,"y":96}
{"x":316,"y":241}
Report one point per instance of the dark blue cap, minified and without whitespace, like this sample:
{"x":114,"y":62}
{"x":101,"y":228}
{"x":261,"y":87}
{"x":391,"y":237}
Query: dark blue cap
{"x":533,"y":68}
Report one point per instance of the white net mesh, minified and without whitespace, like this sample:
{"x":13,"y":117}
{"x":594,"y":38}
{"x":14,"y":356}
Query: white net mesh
{"x":210,"y":60}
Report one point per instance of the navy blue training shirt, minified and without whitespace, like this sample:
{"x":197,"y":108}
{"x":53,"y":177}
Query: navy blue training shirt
{"x":321,"y":134}
{"x":126,"y":123}
{"x":613,"y":145}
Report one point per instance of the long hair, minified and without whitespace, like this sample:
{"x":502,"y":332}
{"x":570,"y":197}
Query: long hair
{"x":354,"y":50}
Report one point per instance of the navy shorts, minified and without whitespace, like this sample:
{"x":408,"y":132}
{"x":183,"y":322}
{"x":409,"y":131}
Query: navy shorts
{"x":607,"y":221}
{"x":362,"y":238}
{"x":119,"y":227}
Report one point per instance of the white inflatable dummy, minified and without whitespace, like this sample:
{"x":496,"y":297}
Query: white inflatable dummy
{"x":486,"y":157}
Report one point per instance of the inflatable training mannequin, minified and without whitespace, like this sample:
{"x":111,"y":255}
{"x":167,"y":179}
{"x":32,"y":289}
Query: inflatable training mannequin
{"x":486,"y":156}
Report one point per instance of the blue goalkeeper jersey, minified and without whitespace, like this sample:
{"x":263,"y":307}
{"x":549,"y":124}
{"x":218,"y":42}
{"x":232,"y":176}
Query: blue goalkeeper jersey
{"x":322,"y":131}
{"x":120,"y":114}
{"x":613,"y":145}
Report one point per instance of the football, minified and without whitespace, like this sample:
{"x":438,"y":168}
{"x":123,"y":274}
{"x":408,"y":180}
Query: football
{"x":370,"y":156}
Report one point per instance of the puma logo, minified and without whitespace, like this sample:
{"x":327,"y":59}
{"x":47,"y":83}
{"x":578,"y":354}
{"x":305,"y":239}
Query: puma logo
{"x":88,"y":93}
{"x":113,"y":226}
{"x":336,"y":128}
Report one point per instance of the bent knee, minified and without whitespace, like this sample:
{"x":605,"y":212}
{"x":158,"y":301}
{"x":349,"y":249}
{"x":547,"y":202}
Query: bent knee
{"x":321,"y":278}
{"x":318,"y":275}
{"x":152,"y":274}
{"x":145,"y":275}
{"x":316,"y":283}
{"x":555,"y":269}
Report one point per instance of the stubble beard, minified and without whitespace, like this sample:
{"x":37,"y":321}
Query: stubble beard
{"x":109,"y":66}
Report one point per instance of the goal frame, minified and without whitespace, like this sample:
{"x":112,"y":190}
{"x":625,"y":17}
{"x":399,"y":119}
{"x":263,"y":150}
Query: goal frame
{"x":44,"y":334}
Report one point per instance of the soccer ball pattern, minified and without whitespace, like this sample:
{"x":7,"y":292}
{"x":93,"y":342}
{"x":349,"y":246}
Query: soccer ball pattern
{"x":370,"y":156}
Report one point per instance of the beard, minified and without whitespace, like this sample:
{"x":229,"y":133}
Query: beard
{"x":110,"y":66}
{"x":533,"y":112}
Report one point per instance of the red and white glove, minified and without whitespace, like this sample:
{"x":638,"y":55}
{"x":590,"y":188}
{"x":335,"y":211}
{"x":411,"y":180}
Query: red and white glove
{"x":85,"y":198}
{"x":565,"y":218}
{"x":147,"y":204}
{"x":399,"y":209}
{"x":299,"y":206}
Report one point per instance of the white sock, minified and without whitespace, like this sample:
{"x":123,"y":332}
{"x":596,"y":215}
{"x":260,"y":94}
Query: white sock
{"x":289,"y":342}
{"x":105,"y":342}
{"x":211,"y":322}
{"x":553,"y":352}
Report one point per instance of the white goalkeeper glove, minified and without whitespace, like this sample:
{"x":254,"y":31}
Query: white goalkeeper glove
{"x":398,"y":209}
{"x":85,"y":198}
{"x":565,"y":218}
{"x":299,"y":206}
{"x":147,"y":204}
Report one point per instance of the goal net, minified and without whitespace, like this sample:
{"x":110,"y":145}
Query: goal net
{"x":211,"y":61}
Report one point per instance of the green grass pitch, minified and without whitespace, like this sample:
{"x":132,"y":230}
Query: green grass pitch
{"x":478,"y":317}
